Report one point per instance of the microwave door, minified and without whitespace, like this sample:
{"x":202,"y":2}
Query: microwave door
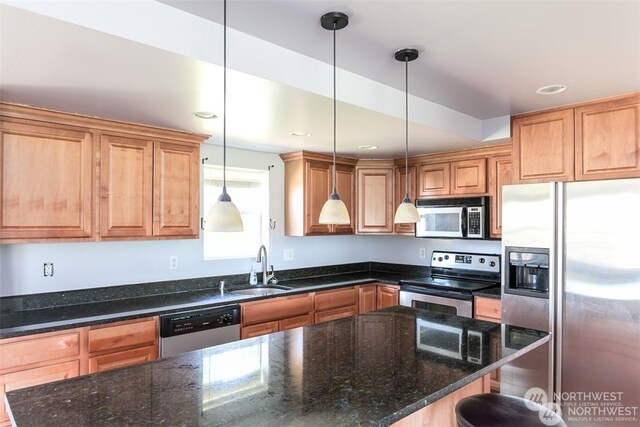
{"x":440,"y":222}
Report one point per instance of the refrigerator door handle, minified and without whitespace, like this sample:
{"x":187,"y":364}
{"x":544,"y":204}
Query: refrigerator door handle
{"x":556,"y":300}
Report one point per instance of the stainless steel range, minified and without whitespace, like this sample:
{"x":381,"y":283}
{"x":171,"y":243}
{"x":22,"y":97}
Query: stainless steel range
{"x":454,"y":278}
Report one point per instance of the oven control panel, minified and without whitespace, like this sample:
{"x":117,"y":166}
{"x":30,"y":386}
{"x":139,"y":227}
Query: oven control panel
{"x":489,"y":263}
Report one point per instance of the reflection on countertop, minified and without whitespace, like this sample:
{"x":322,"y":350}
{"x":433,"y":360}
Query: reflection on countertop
{"x":368,"y":369}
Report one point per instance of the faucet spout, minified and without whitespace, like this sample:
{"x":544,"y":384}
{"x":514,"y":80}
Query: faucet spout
{"x":262,"y":257}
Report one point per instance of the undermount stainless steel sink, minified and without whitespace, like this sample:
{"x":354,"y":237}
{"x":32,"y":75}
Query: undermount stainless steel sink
{"x":262,"y":290}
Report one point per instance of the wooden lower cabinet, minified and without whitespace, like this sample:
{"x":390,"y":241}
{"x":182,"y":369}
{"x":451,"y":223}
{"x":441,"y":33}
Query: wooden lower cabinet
{"x":39,"y":359}
{"x":378,"y":296}
{"x":120,"y":359}
{"x":336,"y":304}
{"x":489,"y":309}
{"x":367,"y":298}
{"x":260,"y":329}
{"x":276,"y":314}
{"x":442,"y":412}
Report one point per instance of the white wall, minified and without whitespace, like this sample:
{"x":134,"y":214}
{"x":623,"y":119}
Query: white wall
{"x":97,"y":264}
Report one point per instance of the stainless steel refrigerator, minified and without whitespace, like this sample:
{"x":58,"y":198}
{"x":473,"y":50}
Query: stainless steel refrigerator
{"x":591,"y":233}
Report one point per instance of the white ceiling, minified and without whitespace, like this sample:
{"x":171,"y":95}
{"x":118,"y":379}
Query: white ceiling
{"x":157,"y":62}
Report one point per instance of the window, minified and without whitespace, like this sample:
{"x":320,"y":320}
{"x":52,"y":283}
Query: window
{"x":249,"y":190}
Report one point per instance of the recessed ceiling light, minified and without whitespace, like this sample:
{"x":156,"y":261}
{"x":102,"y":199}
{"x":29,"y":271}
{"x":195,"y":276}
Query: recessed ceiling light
{"x":300,"y":133}
{"x":551,"y":89}
{"x":368,"y":147}
{"x":207,"y":115}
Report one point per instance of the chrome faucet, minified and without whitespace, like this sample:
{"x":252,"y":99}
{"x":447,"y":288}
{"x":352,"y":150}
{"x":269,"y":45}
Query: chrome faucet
{"x":263,"y":258}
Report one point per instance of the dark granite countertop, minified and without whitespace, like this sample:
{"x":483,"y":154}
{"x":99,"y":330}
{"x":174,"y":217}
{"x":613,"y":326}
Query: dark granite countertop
{"x":24,"y":322}
{"x":362,"y":370}
{"x":489,"y":293}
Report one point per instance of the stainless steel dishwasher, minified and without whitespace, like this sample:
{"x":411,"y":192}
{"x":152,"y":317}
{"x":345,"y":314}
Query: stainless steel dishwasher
{"x":196,"y":329}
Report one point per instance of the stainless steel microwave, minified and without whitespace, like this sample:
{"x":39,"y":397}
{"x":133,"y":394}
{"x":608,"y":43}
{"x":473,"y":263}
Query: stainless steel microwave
{"x":461,"y":218}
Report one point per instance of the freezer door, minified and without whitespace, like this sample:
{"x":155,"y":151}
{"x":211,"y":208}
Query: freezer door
{"x":599,"y":317}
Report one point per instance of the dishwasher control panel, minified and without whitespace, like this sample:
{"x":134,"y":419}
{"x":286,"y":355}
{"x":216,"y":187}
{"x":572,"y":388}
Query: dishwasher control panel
{"x":198,"y":320}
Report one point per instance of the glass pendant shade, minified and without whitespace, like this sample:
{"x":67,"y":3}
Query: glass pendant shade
{"x":224,"y":215}
{"x":407,"y":213}
{"x":334,"y":211}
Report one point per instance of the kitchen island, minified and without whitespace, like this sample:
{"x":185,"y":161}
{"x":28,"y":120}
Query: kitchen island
{"x":372,"y":369}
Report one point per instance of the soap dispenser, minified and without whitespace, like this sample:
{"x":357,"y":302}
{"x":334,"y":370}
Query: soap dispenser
{"x":253,"y":277}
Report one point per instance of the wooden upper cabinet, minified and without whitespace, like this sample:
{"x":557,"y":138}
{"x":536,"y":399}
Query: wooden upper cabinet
{"x":374,"y":193}
{"x":68,"y":177}
{"x":126,"y":186}
{"x":46,"y":181}
{"x":499,"y":175}
{"x":176,"y":197}
{"x":434,"y":179}
{"x":543,"y":147}
{"x":308,"y":183}
{"x":607,"y":139}
{"x":400,"y":191}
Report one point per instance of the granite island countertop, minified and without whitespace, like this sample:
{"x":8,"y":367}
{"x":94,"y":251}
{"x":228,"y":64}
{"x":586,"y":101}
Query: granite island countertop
{"x":369,"y":369}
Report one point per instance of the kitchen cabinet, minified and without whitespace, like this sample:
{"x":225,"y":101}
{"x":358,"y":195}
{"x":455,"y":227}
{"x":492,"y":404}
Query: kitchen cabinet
{"x":308,"y":183}
{"x":490,"y":309}
{"x":607,"y":139}
{"x":67,"y":177}
{"x":499,"y":175}
{"x":462,"y":177}
{"x":594,"y":140}
{"x":400,"y":191}
{"x":375,"y":197}
{"x":335,"y":304}
{"x":377,"y":296}
{"x":543,"y":147}
{"x":38,"y":359}
{"x":40,"y":198}
{"x":121,"y":344}
{"x":276,"y":314}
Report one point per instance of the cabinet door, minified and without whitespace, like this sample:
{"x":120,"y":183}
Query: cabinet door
{"x":176,"y":196}
{"x":543,"y":147}
{"x":346,"y":187}
{"x":400,"y":191}
{"x":131,"y":333}
{"x":126,"y":187}
{"x":367,"y":298}
{"x":121,"y":359}
{"x":434,"y":179}
{"x":317,"y":187}
{"x":608,"y":139}
{"x":336,"y":313}
{"x":469,"y":176}
{"x":263,"y":311}
{"x":33,"y":377}
{"x":388,"y":296}
{"x":499,"y":175}
{"x":335,"y":298}
{"x":488,"y":309}
{"x":259,"y":329}
{"x":374,"y":193}
{"x":46,"y":182}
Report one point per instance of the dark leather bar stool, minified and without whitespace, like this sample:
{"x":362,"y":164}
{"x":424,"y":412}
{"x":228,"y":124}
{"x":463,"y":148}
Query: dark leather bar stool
{"x":500,"y":410}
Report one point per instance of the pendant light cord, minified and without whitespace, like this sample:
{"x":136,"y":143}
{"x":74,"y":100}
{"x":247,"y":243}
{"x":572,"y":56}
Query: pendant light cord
{"x":334,"y":107}
{"x":224,"y":101}
{"x":406,"y":124}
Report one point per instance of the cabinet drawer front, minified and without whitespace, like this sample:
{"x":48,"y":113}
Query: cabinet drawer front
{"x":276,"y":309}
{"x":259,"y":329}
{"x":39,"y":348}
{"x":336,"y":313}
{"x":487,"y":308}
{"x":123,"y":335}
{"x":327,"y":300}
{"x":122,"y":358}
{"x":296,"y":322}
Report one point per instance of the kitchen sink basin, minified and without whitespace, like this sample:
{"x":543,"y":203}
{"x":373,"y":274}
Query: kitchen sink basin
{"x":262,"y":290}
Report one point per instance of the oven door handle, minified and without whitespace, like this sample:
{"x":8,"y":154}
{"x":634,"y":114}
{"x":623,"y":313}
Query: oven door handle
{"x":444,"y":294}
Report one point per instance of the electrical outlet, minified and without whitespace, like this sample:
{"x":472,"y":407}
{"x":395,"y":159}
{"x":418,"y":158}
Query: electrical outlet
{"x":288,"y":255}
{"x":423,"y":252}
{"x":173,"y":262}
{"x":48,"y":269}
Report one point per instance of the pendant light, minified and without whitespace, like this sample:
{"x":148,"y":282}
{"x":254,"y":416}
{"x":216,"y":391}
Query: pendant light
{"x":334,"y":210}
{"x":224,"y":215}
{"x":406,"y":212}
